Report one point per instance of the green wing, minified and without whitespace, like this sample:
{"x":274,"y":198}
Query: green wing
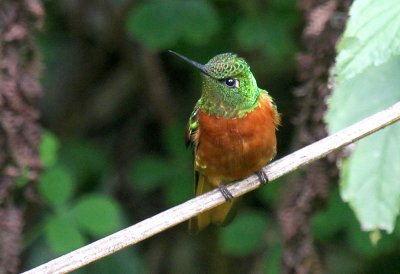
{"x":191,"y":139}
{"x":192,"y":128}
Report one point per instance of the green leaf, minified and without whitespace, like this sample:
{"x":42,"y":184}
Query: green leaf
{"x":56,"y":186}
{"x":62,"y":235}
{"x":245,"y":235}
{"x":372,"y":187}
{"x":48,"y":148}
{"x":149,"y":173}
{"x":371,"y":37}
{"x":154,"y":23}
{"x":367,"y":93}
{"x":159,"y":24}
{"x":97,"y":214}
{"x":199,"y":21}
{"x":371,"y":182}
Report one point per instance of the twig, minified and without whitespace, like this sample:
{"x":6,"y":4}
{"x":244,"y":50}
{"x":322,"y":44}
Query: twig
{"x":183,"y":212}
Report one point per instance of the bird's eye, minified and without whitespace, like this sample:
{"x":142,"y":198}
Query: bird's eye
{"x":231,"y":83}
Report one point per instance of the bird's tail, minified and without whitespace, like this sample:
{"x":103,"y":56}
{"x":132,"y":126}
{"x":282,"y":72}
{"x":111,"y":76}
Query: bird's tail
{"x":220,"y":215}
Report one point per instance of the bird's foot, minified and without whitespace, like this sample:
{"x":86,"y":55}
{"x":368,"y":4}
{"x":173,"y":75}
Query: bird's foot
{"x":225,"y":192}
{"x":262,"y":176}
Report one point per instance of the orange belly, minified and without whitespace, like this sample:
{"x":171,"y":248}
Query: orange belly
{"x":231,"y":149}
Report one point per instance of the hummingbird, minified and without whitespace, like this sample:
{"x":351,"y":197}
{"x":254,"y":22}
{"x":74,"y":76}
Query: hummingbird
{"x":231,"y":129}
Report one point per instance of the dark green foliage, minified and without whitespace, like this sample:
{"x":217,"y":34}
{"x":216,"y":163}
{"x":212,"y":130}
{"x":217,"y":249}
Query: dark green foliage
{"x":149,"y":173}
{"x":272,"y":260}
{"x":62,"y":235}
{"x":173,"y":173}
{"x":86,"y":160}
{"x":270,"y":194}
{"x":56,"y":186}
{"x":124,"y":261}
{"x":245,"y":235}
{"x":73,"y":219}
{"x":97,"y":214}
{"x":269,"y":32}
{"x":161,"y":24}
{"x":110,"y":163}
{"x":327,"y":224}
{"x":48,"y":149}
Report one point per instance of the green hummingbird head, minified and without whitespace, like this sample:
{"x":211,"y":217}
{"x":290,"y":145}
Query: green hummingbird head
{"x":229,"y":88}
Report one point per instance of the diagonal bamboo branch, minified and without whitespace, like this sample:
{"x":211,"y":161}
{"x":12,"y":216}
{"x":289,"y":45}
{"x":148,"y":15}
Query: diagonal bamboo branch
{"x":185,"y":211}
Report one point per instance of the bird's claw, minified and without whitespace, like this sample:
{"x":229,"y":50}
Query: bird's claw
{"x":262,"y":176}
{"x":225,"y":192}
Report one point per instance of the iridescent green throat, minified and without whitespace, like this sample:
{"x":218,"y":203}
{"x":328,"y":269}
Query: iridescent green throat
{"x":221,"y":100}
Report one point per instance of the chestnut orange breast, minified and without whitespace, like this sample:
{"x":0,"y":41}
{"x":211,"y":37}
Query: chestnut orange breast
{"x":230,"y":149}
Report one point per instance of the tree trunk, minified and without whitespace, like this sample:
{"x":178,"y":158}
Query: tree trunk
{"x":19,"y":127}
{"x":325,"y":21}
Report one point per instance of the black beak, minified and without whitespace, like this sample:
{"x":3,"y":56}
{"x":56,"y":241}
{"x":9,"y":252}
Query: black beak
{"x":199,"y":66}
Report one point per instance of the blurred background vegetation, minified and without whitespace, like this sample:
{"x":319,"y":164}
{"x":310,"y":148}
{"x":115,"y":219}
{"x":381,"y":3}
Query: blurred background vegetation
{"x":114,"y":110}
